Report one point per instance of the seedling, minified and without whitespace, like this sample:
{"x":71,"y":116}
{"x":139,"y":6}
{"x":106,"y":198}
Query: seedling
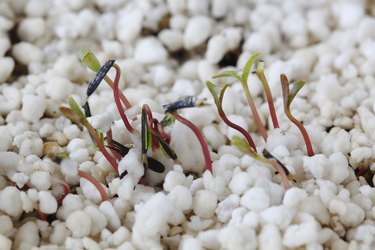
{"x":75,"y":114}
{"x":218,"y":102}
{"x":89,"y":59}
{"x":188,"y":102}
{"x":260,"y":73}
{"x":288,"y":96}
{"x":242,"y":77}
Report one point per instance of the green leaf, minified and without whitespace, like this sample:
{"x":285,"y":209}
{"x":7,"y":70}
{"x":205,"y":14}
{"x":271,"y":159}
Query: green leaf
{"x":228,"y":73}
{"x":243,"y":146}
{"x":247,"y":68}
{"x":101,"y":135}
{"x":89,"y":59}
{"x":213,"y":89}
{"x":76,"y":108}
{"x":217,"y":92}
{"x":296,"y":87}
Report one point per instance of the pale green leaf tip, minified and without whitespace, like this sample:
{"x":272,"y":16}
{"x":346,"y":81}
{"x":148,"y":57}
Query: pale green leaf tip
{"x":246,"y":69}
{"x":260,"y":66}
{"x":75,"y":107}
{"x":89,"y":59}
{"x":211,"y":88}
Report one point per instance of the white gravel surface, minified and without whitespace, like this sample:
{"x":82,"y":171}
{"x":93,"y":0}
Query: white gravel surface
{"x":167,"y":50}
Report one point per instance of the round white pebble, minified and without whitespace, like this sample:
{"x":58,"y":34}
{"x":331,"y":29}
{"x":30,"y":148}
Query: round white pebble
{"x":181,"y":198}
{"x":33,"y":107}
{"x":41,"y":180}
{"x":47,"y":202}
{"x":5,"y":243}
{"x":197,"y":31}
{"x":205,"y":203}
{"x":150,"y":50}
{"x":26,"y":53}
{"x":10,"y":201}
{"x":79,"y":223}
{"x":255,"y":199}
{"x":31,"y":29}
{"x":6,"y":68}
{"x":172,"y":39}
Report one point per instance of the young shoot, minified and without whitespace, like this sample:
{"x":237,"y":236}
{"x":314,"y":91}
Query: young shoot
{"x":288,"y":96}
{"x":262,"y":77}
{"x":243,"y":77}
{"x":244,"y":147}
{"x":116,"y":96}
{"x":89,"y":59}
{"x":188,"y":102}
{"x":75,"y":114}
{"x":152,"y":139}
{"x":218,"y":99}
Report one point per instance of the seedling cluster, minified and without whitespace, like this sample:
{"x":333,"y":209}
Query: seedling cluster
{"x":248,"y":145}
{"x":153,"y":133}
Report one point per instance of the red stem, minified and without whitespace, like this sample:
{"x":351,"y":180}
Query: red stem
{"x":116,"y":93}
{"x":233,"y":125}
{"x":279,"y":169}
{"x":306,"y":138}
{"x":95,"y":182}
{"x":251,"y":103}
{"x":239,"y":129}
{"x":285,"y":91}
{"x":200,"y":138}
{"x":124,"y":100}
{"x":269,"y":97}
{"x":101,"y":146}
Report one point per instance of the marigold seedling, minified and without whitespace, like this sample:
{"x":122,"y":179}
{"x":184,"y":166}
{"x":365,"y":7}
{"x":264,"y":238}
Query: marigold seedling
{"x":288,"y":96}
{"x":76,"y":115}
{"x":184,"y":104}
{"x":243,"y":77}
{"x":218,"y":102}
{"x":260,"y":73}
{"x":116,"y":96}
